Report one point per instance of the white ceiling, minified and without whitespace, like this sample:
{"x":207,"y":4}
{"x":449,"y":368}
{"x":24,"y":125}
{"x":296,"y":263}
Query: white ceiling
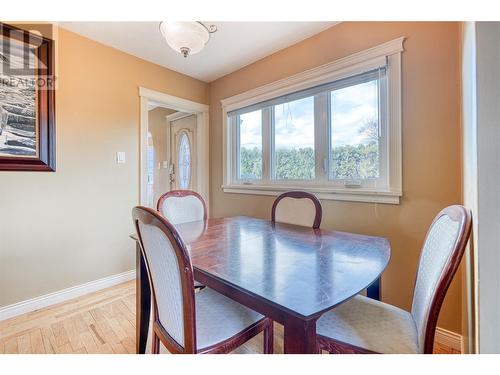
{"x":233,"y":46}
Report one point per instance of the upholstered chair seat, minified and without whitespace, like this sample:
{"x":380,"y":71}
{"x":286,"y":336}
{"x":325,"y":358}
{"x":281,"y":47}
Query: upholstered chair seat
{"x":363,"y":325}
{"x":370,"y":325}
{"x":219,"y":318}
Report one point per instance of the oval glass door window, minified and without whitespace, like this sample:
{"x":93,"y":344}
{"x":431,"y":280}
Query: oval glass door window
{"x":184,"y":161}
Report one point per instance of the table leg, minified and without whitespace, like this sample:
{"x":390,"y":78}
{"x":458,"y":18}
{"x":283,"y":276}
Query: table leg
{"x":373,"y":291}
{"x":143,"y":302}
{"x":300,"y":336}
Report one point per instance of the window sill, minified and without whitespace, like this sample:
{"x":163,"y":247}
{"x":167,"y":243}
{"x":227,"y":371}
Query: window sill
{"x":350,"y":195}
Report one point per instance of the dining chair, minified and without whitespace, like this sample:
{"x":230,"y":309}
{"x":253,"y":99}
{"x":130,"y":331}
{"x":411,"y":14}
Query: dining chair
{"x":183,"y":206}
{"x":297,"y":207}
{"x":364,"y":325}
{"x":185,"y":321}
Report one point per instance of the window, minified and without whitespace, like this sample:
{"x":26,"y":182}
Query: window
{"x":250,"y":145}
{"x":354,"y":131}
{"x":293,"y":137}
{"x":184,"y":159}
{"x":334,"y":130}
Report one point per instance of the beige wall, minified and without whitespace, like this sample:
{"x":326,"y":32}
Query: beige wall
{"x":57,"y":231}
{"x":431,"y":142}
{"x":65,"y":228}
{"x":157,"y":124}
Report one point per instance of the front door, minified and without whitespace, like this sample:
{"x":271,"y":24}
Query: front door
{"x":183,"y":153}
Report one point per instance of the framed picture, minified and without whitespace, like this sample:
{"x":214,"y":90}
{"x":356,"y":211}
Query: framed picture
{"x":27,"y":84}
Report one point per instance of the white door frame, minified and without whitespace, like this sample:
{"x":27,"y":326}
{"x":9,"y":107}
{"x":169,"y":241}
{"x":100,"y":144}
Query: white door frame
{"x":485,"y":200}
{"x":202,"y":138}
{"x":481,"y":181}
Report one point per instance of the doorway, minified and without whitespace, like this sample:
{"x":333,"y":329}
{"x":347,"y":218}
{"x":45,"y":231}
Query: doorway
{"x":183,"y":167}
{"x":173,"y":146}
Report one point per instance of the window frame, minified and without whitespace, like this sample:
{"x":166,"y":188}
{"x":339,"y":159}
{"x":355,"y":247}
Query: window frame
{"x":389,"y":152}
{"x":383,"y":142}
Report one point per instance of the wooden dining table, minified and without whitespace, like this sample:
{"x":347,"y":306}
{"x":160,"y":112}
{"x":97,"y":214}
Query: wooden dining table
{"x":290,"y":273}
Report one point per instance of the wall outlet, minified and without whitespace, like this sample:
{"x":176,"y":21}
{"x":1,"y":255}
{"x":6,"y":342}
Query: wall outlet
{"x":120,"y":157}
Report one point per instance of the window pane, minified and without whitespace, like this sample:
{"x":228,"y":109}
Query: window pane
{"x":294,"y":140}
{"x":354,"y":132}
{"x":250,"y":150}
{"x":184,"y":161}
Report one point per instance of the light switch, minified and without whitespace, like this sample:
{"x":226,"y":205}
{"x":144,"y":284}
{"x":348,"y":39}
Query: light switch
{"x":120,"y":157}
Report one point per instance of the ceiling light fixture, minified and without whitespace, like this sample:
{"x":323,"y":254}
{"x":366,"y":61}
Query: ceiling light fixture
{"x":186,"y":38}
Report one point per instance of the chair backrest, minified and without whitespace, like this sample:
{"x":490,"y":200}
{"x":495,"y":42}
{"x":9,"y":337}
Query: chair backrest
{"x":297,"y":207}
{"x":182,"y":206}
{"x":170,"y":276}
{"x":441,"y":254}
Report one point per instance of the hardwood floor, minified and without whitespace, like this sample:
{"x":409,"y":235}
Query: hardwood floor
{"x":443,"y":349}
{"x":101,"y":322}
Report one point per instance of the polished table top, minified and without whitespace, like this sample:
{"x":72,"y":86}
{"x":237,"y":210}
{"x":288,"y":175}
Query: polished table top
{"x":300,"y":270}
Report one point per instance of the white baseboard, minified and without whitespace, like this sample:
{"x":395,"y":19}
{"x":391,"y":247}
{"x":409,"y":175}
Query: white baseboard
{"x":36,"y":303}
{"x":448,"y":338}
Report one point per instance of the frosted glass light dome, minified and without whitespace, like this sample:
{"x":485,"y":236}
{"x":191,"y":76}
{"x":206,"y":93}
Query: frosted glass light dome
{"x":186,"y":38}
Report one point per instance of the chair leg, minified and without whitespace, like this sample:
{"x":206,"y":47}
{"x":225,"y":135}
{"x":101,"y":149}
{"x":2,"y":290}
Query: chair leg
{"x":269,"y":338}
{"x":155,"y":349}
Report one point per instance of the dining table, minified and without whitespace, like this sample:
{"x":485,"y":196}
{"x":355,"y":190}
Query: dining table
{"x":289,"y":273}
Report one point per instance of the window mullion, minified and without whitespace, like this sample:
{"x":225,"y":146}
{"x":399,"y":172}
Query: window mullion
{"x":321,"y":137}
{"x":266,"y":145}
{"x":383,"y":137}
{"x":235,"y":125}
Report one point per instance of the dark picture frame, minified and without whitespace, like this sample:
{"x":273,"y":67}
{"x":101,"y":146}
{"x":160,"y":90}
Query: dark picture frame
{"x":42,"y":139}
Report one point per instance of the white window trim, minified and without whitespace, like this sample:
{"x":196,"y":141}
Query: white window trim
{"x":338,"y":69}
